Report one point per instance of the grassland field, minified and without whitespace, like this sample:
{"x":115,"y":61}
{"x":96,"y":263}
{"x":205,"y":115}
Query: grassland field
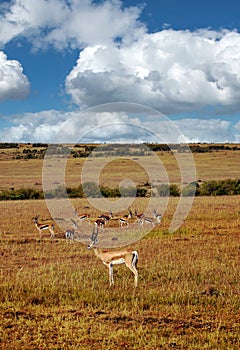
{"x":215,"y":165}
{"x":55,"y":295}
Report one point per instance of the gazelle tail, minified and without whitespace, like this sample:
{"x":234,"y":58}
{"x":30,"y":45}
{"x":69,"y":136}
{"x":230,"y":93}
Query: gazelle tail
{"x":134,"y":258}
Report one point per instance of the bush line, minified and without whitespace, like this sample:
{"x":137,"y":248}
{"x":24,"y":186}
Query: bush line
{"x":91,"y":189}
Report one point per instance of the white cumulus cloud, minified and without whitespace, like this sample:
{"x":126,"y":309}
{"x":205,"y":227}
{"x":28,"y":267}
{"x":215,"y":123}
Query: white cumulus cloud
{"x":13,"y":83}
{"x":99,"y":125}
{"x":172,"y":71}
{"x":61,"y":24}
{"x":64,"y":23}
{"x":206,"y":130}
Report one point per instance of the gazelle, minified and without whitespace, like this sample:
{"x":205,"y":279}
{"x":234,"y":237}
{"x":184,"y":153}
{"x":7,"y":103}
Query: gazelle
{"x":106,"y":218}
{"x":70,"y":233}
{"x":140,"y":217}
{"x":123,"y":222}
{"x":99,"y":223}
{"x":116,"y":257}
{"x":42,"y":227}
{"x":129,"y":215}
{"x":147,"y":220}
{"x":157,"y":216}
{"x":83,"y":217}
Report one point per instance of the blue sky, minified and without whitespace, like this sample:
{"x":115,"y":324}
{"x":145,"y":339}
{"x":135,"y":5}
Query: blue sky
{"x":59,"y":57}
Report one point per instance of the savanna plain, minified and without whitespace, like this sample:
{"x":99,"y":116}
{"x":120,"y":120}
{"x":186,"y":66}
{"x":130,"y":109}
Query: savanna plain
{"x":55,"y":295}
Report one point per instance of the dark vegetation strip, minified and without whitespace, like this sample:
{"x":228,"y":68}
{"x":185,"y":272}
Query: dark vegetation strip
{"x":91,"y":189}
{"x":38,"y":150}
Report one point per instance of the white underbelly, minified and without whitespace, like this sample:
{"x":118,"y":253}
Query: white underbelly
{"x":118,"y":261}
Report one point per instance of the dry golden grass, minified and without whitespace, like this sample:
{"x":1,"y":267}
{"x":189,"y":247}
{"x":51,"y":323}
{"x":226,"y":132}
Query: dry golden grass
{"x":216,"y":165}
{"x":56,"y":296}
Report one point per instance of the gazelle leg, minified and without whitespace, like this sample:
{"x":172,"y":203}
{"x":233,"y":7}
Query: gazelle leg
{"x":111,"y":282}
{"x":51,"y":229}
{"x":135,"y":272}
{"x":131,"y":264}
{"x":40,"y":233}
{"x":136,"y":279}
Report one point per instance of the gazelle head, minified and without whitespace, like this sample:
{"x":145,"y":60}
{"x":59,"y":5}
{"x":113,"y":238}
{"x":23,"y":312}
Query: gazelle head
{"x":130,"y":214}
{"x":155,"y":213}
{"x":35,"y":219}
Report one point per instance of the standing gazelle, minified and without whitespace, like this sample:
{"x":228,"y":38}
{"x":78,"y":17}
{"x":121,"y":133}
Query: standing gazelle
{"x":70,"y":232}
{"x":116,"y":257}
{"x":147,"y":220}
{"x":82,"y":217}
{"x":140,"y":218}
{"x":157,"y":216}
{"x":100,"y":223}
{"x":42,"y":227}
{"x":123,"y":222}
{"x":106,"y":218}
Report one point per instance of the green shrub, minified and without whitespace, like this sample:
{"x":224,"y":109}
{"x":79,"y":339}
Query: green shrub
{"x":59,"y":192}
{"x":189,"y":190}
{"x":128,"y":191}
{"x":21,"y":194}
{"x":91,"y":189}
{"x":220,"y":188}
{"x":75,"y":192}
{"x":110,"y":192}
{"x":174,"y":190}
{"x":163,"y":190}
{"x":141,"y":192}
